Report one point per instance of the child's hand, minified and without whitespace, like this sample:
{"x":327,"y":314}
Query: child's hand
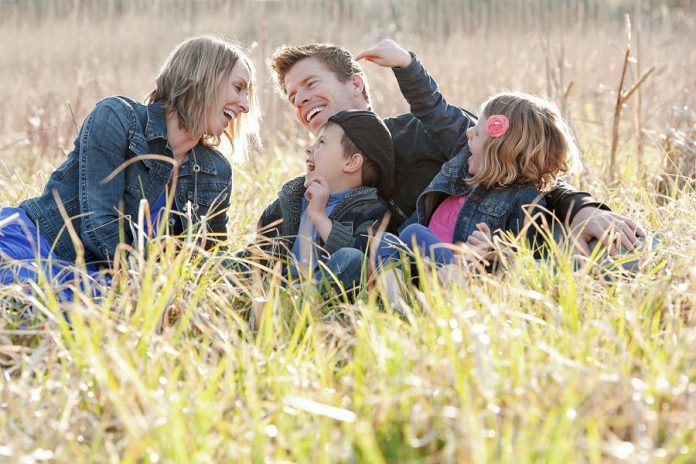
{"x":318,"y":195}
{"x":481,"y":240}
{"x":387,"y":53}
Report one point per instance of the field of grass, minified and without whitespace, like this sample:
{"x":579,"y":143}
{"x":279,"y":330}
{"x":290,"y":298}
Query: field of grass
{"x":540,"y":362}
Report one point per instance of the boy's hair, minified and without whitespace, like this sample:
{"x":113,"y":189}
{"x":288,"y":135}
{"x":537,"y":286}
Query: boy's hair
{"x":537,"y":147}
{"x":337,"y":59}
{"x":370,"y":173}
{"x":188,"y":81}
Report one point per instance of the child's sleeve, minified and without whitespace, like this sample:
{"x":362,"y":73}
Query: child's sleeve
{"x":446,"y":124}
{"x":270,"y":220}
{"x":529,"y":204}
{"x":357,"y":235}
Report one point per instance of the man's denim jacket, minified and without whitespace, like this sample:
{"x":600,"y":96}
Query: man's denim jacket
{"x":103,"y":209}
{"x":499,"y":208}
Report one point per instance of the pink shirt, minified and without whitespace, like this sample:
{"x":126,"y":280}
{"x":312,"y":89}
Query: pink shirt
{"x":445,"y":218}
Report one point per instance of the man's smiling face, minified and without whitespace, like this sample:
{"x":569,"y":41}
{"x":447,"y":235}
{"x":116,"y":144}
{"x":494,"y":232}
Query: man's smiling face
{"x":317,"y":93}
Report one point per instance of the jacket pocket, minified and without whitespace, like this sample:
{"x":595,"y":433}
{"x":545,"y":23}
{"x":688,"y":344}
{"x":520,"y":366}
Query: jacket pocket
{"x":72,"y":206}
{"x":492,"y":212}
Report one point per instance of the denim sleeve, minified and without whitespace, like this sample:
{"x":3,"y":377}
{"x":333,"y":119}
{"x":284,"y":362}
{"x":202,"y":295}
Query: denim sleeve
{"x":528,"y":203}
{"x":217,"y":213}
{"x":564,"y":201}
{"x":446,"y":124}
{"x":103,"y":148}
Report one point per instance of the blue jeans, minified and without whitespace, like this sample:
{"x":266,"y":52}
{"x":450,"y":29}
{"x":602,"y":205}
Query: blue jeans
{"x":428,"y":244}
{"x":343,"y":270}
{"x":346,"y":265}
{"x":25,"y":254}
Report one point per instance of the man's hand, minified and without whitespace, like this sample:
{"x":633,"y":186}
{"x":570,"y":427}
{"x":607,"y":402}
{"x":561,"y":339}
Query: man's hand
{"x":318,"y":195}
{"x":607,"y":227}
{"x":387,"y":53}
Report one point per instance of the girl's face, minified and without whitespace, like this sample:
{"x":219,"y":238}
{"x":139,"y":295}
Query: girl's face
{"x":231,"y":99}
{"x":478,"y":137}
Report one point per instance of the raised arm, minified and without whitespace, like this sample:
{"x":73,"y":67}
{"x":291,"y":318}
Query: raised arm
{"x":446,"y":124}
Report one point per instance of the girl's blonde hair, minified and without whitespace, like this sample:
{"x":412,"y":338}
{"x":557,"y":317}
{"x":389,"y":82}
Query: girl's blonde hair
{"x":537,"y":147}
{"x":187,"y":84}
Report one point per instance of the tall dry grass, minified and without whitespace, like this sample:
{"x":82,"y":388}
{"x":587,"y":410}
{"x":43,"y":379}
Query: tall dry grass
{"x":543,"y":362}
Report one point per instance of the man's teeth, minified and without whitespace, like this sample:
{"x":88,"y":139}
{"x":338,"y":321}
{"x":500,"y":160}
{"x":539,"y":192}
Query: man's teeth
{"x":229,"y":114}
{"x":314,"y":112}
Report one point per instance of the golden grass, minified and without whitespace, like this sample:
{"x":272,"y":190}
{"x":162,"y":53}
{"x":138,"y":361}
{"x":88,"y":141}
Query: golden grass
{"x":542,"y":362}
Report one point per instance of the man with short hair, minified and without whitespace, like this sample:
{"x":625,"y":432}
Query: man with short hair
{"x":320,"y":80}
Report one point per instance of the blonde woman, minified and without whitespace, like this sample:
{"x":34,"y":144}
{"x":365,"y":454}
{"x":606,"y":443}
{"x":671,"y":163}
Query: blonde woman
{"x":127,"y":151}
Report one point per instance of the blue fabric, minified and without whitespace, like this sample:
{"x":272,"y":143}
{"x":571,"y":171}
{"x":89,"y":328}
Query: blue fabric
{"x":342,"y":271}
{"x":334,"y":200}
{"x":94,"y":183}
{"x":156,"y":212}
{"x":390,"y":246}
{"x":25,"y":255}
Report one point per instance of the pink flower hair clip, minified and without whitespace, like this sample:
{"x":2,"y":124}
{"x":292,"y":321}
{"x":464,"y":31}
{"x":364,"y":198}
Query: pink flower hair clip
{"x":497,"y":125}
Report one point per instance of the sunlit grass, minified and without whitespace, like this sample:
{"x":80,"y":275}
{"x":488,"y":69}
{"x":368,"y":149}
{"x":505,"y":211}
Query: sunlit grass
{"x":182,"y":359}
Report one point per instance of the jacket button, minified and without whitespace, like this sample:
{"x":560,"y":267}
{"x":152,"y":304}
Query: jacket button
{"x":196,"y":168}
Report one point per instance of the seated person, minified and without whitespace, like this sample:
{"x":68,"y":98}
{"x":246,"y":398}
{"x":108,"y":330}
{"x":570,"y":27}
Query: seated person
{"x":337,"y":204}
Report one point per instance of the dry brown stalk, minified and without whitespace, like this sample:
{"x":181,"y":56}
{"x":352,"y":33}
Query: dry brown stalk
{"x":621,"y":98}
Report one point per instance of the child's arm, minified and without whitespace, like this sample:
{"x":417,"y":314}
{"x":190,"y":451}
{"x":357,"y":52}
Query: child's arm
{"x":318,"y":194}
{"x":446,"y":124}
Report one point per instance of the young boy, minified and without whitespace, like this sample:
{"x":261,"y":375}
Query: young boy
{"x":350,"y":169}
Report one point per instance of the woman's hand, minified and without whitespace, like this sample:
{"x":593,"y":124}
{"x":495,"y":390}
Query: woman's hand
{"x":387,"y":53}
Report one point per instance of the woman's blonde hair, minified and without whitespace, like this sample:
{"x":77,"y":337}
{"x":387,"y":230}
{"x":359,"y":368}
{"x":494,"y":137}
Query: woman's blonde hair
{"x":537,"y":147}
{"x":187,"y":84}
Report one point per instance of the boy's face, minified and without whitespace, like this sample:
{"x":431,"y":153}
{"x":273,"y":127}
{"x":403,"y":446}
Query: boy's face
{"x":316,"y":92}
{"x":325,"y":158}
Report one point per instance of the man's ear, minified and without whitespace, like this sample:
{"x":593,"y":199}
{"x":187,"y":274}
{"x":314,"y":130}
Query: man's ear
{"x":353,"y":164}
{"x":358,"y":84}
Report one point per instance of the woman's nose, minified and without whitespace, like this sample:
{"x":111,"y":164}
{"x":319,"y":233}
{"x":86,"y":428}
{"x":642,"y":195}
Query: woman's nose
{"x":244,"y":104}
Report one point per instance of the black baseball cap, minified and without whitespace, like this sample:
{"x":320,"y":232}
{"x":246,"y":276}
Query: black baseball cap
{"x":368,"y":132}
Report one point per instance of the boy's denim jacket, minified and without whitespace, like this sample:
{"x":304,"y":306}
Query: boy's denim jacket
{"x":104,"y":212}
{"x":499,"y":208}
{"x":358,"y":214}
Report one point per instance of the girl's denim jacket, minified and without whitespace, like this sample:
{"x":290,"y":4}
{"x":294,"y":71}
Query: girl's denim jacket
{"x":500,"y":208}
{"x":103,"y":211}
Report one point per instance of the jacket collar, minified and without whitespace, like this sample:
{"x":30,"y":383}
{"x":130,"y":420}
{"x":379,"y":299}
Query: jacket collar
{"x":156,"y":127}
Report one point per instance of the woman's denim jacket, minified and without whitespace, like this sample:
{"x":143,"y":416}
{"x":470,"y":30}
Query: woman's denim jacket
{"x":499,"y":208}
{"x":103,"y":209}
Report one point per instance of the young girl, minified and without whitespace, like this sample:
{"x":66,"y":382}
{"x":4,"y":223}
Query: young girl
{"x":203,"y":91}
{"x":498,"y":167}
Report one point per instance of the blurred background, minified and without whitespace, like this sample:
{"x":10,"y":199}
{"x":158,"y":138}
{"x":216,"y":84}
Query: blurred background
{"x":59,"y":57}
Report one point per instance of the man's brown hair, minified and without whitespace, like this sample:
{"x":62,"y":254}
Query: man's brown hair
{"x":337,"y":59}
